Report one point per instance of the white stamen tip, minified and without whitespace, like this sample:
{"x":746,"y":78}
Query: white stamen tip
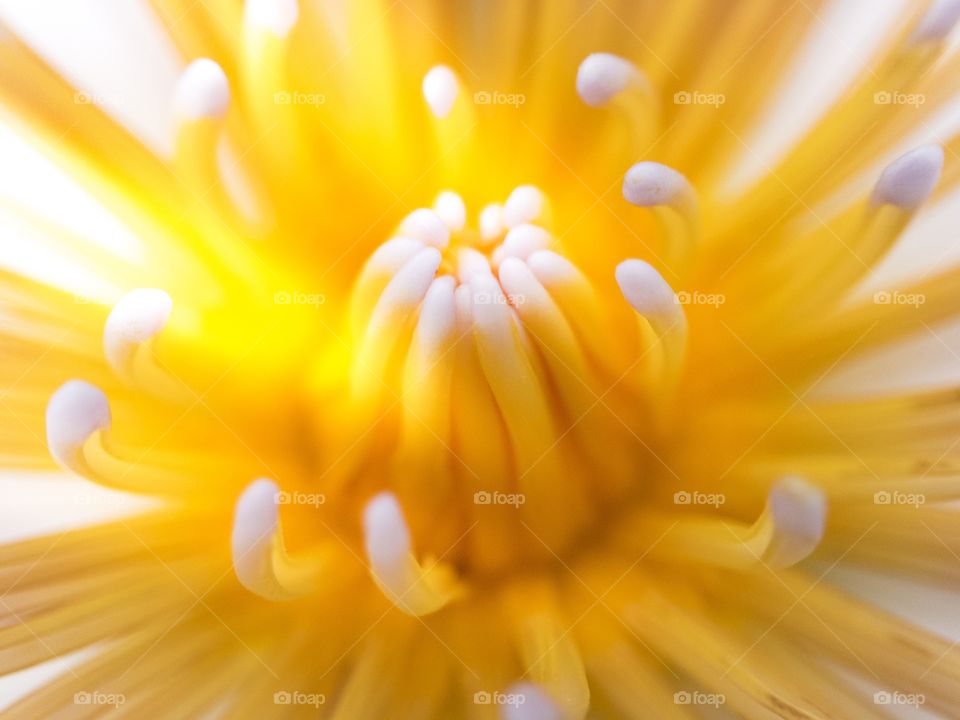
{"x":440,"y":89}
{"x":202,"y":91}
{"x":491,"y":222}
{"x":908,"y":181}
{"x":530,"y":703}
{"x":524,"y":240}
{"x":138,"y":316}
{"x":525,"y":204}
{"x":648,"y":184}
{"x":646,"y":290}
{"x":602,"y":76}
{"x":386,"y":536}
{"x":426,"y":226}
{"x":799,"y":514}
{"x":74,"y":412}
{"x":937,"y":21}
{"x":276,"y":16}
{"x":255,"y":521}
{"x":451,"y":208}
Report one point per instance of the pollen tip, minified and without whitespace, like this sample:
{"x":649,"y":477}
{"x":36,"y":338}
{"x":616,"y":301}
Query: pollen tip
{"x":937,"y":22}
{"x":276,"y":16}
{"x":799,"y":514}
{"x":386,"y":536}
{"x":426,"y":226}
{"x":602,"y":76}
{"x":451,"y":209}
{"x":136,"y":317}
{"x":440,"y":89}
{"x":525,"y":204}
{"x":529,"y":702}
{"x":646,"y":290}
{"x":74,"y":412}
{"x":202,"y":91}
{"x":491,"y":222}
{"x":908,"y":181}
{"x":255,"y":519}
{"x":524,"y":240}
{"x":648,"y":184}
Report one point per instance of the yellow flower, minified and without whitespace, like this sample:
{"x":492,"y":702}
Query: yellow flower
{"x":463,"y":380}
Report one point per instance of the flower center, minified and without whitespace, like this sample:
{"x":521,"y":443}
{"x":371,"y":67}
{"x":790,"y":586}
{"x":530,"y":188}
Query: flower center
{"x":507,"y":404}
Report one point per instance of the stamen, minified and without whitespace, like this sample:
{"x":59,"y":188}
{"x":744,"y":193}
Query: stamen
{"x":389,"y":319}
{"x":78,"y":425}
{"x":908,"y":181}
{"x":260,"y":559}
{"x":492,"y":225}
{"x":603,"y":76}
{"x":673,"y":202}
{"x":275,"y":16}
{"x":129,"y":334}
{"x":650,"y":295}
{"x":75,"y":412}
{"x":789,"y":529}
{"x":937,"y":22}
{"x":526,"y":204}
{"x":605,"y":80}
{"x":383,"y":264}
{"x":427,"y":226}
{"x":521,"y":242}
{"x":203,"y":92}
{"x":471,"y":262}
{"x":529,"y":702}
{"x":451,"y":209}
{"x":415,"y":589}
{"x":581,"y":305}
{"x":440,"y":89}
